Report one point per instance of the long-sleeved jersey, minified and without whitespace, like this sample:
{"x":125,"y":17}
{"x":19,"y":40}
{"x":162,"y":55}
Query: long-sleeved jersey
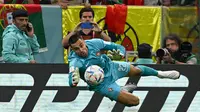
{"x":94,"y":56}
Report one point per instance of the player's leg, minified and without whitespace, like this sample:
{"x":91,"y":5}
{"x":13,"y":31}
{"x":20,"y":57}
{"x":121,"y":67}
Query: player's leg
{"x":148,"y":71}
{"x":128,"y":99}
{"x":115,"y":92}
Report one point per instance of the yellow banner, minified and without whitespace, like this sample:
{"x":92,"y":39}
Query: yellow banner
{"x":143,"y":25}
{"x":183,"y":22}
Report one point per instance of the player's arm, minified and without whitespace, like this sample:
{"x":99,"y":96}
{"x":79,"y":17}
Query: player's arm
{"x":115,"y":51}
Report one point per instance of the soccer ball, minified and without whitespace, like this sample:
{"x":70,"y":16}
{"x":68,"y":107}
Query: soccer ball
{"x":94,"y":75}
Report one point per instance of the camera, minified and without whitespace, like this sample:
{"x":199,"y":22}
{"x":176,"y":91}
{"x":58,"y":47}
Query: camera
{"x":185,"y":51}
{"x":162,"y":52}
{"x":186,"y":47}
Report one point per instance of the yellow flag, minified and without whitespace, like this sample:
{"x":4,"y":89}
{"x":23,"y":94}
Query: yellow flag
{"x":143,"y":25}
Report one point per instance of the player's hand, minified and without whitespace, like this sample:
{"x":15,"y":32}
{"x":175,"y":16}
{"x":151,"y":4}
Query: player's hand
{"x":114,"y":54}
{"x":74,"y":76}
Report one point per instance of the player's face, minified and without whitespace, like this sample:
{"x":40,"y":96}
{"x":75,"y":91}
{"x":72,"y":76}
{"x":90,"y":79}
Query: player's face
{"x":172,"y":45}
{"x":80,"y":48}
{"x":87,"y":17}
{"x":21,"y":22}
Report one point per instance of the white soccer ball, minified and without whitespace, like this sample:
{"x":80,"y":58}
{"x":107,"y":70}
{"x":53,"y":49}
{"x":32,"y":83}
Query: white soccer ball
{"x":94,"y":75}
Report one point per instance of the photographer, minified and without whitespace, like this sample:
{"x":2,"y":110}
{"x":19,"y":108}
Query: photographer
{"x":175,"y":52}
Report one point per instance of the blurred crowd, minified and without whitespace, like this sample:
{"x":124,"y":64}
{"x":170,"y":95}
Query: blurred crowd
{"x":65,"y":3}
{"x":173,"y":50}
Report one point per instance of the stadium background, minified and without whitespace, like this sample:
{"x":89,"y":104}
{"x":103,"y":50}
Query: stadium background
{"x":148,"y":24}
{"x":45,"y":88}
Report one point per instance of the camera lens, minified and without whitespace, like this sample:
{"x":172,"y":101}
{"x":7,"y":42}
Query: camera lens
{"x":161,"y":52}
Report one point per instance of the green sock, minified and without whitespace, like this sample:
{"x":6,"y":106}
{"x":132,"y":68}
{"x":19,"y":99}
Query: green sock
{"x":147,"y":71}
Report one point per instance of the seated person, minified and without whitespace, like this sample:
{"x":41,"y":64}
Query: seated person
{"x":144,"y":54}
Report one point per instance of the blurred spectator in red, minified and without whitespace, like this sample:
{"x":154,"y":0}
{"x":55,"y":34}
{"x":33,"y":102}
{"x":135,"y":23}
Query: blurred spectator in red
{"x":21,"y":1}
{"x":111,"y":2}
{"x":176,"y":2}
{"x":62,"y":3}
{"x":166,"y":2}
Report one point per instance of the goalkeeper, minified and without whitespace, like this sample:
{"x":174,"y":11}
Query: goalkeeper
{"x":87,"y":52}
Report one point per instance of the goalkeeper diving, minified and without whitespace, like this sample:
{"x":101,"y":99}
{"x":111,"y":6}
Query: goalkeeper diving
{"x":85,"y":53}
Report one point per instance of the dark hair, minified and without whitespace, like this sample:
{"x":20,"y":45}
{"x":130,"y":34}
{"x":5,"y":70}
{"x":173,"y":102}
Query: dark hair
{"x":86,"y":9}
{"x":144,"y":50}
{"x":74,"y":38}
{"x":19,"y":13}
{"x":172,"y":37}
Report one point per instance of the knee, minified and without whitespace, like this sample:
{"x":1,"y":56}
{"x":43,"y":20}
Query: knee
{"x":134,"y":71}
{"x":133,"y":102}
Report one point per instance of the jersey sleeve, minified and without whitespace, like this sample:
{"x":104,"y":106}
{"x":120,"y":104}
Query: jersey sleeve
{"x":104,"y":45}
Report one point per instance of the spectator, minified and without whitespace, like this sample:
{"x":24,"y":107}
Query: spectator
{"x":76,"y":2}
{"x":86,"y":14}
{"x":21,"y":1}
{"x":176,"y":2}
{"x":1,"y":2}
{"x":177,"y":52}
{"x":19,"y":40}
{"x":144,"y":54}
{"x":62,"y":3}
{"x":151,"y":2}
{"x":164,"y":2}
{"x":111,"y":2}
{"x":48,"y":1}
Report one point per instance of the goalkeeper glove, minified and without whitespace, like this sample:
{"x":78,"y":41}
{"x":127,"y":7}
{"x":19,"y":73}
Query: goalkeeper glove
{"x":114,"y":54}
{"x":74,"y":76}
